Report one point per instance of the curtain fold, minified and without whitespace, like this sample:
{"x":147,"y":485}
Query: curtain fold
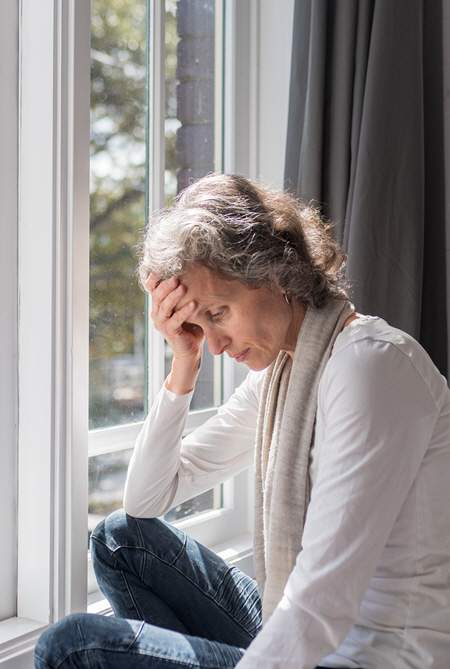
{"x":365,"y":141}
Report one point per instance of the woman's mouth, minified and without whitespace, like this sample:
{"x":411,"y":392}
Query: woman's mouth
{"x":242,"y":356}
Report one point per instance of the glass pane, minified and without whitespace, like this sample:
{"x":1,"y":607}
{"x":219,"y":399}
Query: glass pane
{"x":211,"y":499}
{"x":117,"y":210}
{"x":107,"y":474}
{"x":189,"y":125}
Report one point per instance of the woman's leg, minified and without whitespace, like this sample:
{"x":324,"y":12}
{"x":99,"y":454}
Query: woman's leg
{"x":87,"y":640}
{"x":151,"y":571}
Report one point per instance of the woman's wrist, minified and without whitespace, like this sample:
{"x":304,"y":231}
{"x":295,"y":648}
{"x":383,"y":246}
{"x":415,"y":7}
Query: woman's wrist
{"x":183,"y":375}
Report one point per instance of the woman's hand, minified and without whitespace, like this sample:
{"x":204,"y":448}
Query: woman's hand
{"x":186,"y":340}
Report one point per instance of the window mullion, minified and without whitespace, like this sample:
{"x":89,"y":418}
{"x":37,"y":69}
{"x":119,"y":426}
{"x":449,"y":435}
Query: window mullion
{"x":156,"y":168}
{"x":70,"y":595}
{"x":219,"y":63}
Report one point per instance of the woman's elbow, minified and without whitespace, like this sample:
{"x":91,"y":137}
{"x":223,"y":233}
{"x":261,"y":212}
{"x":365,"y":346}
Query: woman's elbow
{"x":139,"y":509}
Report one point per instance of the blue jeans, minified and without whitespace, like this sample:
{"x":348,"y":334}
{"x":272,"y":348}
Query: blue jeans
{"x":176,"y":604}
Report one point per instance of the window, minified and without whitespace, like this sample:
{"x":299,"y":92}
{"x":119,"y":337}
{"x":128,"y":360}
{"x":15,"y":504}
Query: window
{"x":157,"y":123}
{"x":55,"y":439}
{"x":120,"y":198}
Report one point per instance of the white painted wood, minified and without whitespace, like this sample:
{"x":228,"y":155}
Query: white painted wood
{"x":53,"y":311}
{"x":8,"y":305}
{"x":74,"y":371}
{"x":121,"y":437}
{"x":20,"y":654}
{"x":17,"y":627}
{"x":36,"y":212}
{"x":156,"y":374}
{"x":157,"y":104}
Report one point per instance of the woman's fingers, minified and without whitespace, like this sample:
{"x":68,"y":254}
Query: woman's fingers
{"x":162,"y":289}
{"x":152,"y":282}
{"x":165,"y":298}
{"x":184,"y":338}
{"x":168,"y":304}
{"x":178,"y":318}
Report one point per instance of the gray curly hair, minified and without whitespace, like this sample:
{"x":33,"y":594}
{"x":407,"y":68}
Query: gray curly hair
{"x":245,"y":231}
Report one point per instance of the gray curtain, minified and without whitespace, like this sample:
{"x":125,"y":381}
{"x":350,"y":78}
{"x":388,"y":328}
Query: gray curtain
{"x":366,"y":141}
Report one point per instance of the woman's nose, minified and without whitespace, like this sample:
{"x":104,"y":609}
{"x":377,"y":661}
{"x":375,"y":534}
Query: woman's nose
{"x":216,"y":343}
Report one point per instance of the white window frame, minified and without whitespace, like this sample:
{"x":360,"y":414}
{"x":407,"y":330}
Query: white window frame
{"x":53,"y":312}
{"x":53,"y":302}
{"x":215,"y":526}
{"x":8,"y":303}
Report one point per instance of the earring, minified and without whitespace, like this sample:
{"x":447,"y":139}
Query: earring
{"x":285,"y":295}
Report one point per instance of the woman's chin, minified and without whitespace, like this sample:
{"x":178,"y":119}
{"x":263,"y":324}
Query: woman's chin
{"x":258,"y":364}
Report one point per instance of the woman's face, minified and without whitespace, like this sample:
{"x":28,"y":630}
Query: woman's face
{"x":236,"y":318}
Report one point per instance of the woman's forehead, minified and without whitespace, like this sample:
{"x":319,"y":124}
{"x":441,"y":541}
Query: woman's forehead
{"x":207,"y":285}
{"x":207,"y":289}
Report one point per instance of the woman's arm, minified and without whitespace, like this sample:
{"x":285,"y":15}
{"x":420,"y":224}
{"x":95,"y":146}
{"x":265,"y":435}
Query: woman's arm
{"x":166,"y":470}
{"x":378,"y":419}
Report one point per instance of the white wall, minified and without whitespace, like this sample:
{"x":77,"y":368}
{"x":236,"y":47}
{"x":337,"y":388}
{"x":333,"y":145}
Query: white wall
{"x":8,"y":305}
{"x":275,"y":44}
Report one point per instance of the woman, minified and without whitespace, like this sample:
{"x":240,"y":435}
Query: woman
{"x":347,"y":421}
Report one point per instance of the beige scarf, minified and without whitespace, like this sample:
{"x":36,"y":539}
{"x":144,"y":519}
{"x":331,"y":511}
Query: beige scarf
{"x":284,"y":437}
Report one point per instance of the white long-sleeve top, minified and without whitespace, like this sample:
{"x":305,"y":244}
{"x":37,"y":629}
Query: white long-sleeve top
{"x":371,"y":586}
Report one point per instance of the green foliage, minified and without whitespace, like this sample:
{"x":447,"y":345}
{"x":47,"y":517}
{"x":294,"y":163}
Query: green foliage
{"x":118,"y":123}
{"x":119,"y":109}
{"x":119,"y":191}
{"x":117,"y":203}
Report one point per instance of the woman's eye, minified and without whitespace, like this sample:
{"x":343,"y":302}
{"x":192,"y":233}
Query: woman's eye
{"x":217,"y":316}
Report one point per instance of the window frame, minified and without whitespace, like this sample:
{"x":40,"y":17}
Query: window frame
{"x":54,"y":85}
{"x":53,"y":82}
{"x":218,"y":525}
{"x":8,"y":302}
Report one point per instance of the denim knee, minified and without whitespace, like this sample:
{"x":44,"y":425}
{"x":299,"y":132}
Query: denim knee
{"x":61,"y":639}
{"x":115,"y":530}
{"x":119,"y":530}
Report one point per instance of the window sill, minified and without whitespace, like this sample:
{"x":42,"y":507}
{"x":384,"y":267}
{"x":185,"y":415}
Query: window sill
{"x":18,"y":636}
